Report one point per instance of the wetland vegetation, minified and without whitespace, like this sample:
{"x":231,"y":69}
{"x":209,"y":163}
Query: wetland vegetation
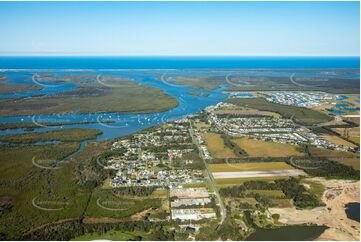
{"x":116,"y":95}
{"x":63,"y":135}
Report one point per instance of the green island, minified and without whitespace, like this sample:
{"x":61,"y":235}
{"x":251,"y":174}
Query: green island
{"x":203,"y":82}
{"x":237,"y":82}
{"x":115,"y":95}
{"x":280,"y":83}
{"x":195,"y":93}
{"x":6,"y":87}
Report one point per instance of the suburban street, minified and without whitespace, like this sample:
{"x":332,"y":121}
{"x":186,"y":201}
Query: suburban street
{"x":210,"y":176}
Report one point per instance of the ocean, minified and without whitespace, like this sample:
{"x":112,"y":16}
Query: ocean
{"x":7,"y":62}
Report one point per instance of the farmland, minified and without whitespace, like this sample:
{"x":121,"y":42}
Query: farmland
{"x":258,"y":148}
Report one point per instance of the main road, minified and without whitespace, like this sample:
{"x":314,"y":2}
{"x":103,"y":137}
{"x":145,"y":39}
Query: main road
{"x":210,"y":175}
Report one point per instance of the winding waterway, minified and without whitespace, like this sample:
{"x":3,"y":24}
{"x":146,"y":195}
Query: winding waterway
{"x":122,"y":124}
{"x":125,"y":124}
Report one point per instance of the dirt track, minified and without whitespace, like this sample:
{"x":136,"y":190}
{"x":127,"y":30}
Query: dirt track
{"x":337,"y":194}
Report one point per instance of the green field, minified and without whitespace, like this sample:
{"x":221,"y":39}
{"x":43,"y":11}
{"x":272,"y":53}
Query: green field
{"x":277,"y":194}
{"x":216,"y":146}
{"x":300,"y":114}
{"x":64,"y":135}
{"x":125,"y":97}
{"x":281,"y":203}
{"x":195,"y":185}
{"x":201,"y":125}
{"x":259,"y":148}
{"x":249,"y":166}
{"x":355,"y":139}
{"x":338,"y":140}
{"x":314,"y":187}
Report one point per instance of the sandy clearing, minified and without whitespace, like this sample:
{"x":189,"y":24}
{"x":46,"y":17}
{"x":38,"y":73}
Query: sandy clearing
{"x":337,"y":194}
{"x":269,"y":173}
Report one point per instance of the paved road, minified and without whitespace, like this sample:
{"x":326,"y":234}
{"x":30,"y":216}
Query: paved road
{"x":210,"y":176}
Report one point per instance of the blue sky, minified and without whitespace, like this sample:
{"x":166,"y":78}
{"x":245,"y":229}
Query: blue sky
{"x":180,"y":28}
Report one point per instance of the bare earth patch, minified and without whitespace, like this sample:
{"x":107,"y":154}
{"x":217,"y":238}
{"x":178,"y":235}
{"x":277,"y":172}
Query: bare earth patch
{"x":337,"y":194}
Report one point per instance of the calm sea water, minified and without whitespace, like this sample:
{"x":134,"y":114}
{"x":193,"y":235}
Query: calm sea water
{"x":176,"y":62}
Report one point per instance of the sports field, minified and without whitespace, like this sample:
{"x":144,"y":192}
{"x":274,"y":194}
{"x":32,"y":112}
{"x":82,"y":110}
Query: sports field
{"x":216,"y":146}
{"x":249,"y":166}
{"x":259,"y":148}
